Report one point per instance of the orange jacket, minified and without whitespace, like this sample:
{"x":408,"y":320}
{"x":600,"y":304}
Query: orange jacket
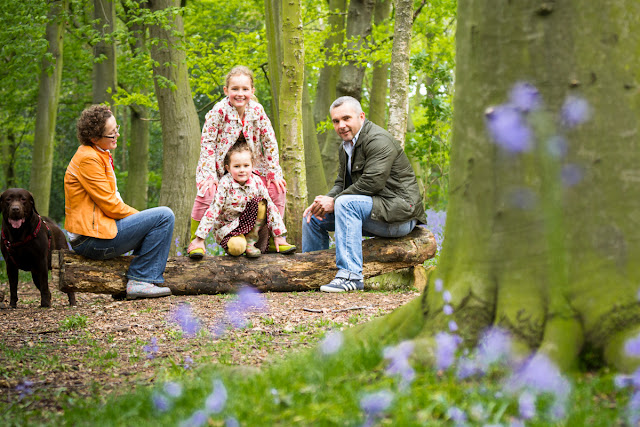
{"x":91,"y":205}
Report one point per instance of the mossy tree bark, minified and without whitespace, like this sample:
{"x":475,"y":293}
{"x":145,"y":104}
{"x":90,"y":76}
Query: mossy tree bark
{"x":316,"y":183}
{"x":104,"y":52}
{"x":47,"y":108}
{"x":180,"y":123}
{"x":273,"y":27}
{"x":380,"y":74}
{"x":560,"y":272}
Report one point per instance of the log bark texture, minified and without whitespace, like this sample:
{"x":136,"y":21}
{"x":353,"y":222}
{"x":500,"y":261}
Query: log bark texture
{"x":225,"y":274}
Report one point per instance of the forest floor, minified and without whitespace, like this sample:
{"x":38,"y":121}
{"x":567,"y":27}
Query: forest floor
{"x":51,"y":357}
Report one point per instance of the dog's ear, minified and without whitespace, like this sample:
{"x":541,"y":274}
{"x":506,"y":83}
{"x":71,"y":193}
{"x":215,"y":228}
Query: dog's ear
{"x":33,"y":203}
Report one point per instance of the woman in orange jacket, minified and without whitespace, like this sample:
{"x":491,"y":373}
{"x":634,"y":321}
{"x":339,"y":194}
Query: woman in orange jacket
{"x":100,"y":225}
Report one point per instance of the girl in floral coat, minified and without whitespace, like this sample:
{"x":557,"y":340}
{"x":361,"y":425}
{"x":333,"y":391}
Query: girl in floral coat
{"x":241,"y":206}
{"x":237,"y":118}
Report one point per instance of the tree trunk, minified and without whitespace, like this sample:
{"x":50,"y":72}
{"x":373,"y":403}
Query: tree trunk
{"x":400,"y":65}
{"x":104,"y":52}
{"x":316,"y":183}
{"x":47,"y":109}
{"x":291,"y":126}
{"x":380,"y":74}
{"x":213,"y":275}
{"x":556,"y":265}
{"x":326,"y":91}
{"x":273,"y":24}
{"x":179,"y":119}
{"x":9,"y":146}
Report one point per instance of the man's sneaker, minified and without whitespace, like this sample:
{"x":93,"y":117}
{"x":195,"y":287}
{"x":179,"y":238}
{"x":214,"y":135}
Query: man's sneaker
{"x":340,"y":284}
{"x":137,"y":289}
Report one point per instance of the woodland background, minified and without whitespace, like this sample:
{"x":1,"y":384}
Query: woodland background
{"x":161,"y":65}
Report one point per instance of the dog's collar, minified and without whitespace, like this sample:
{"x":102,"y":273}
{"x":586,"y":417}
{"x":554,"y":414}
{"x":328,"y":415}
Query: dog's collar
{"x":9,"y":245}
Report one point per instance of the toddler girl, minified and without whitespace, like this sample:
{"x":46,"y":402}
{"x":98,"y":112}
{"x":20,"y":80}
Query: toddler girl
{"x":240,"y":208}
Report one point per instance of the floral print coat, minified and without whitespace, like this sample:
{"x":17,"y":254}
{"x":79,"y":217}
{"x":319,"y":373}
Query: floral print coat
{"x":222,"y":127}
{"x":230,"y":201}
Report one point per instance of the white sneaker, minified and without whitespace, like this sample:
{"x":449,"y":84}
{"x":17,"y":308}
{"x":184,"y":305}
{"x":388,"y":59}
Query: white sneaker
{"x":137,"y":289}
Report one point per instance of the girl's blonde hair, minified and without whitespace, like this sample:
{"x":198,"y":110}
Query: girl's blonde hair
{"x":239,"y":70}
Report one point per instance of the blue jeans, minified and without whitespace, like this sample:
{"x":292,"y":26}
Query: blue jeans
{"x":351,"y":219}
{"x":147,"y":234}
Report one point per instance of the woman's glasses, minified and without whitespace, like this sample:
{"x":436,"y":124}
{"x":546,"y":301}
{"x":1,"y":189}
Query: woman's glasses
{"x":113,"y":136}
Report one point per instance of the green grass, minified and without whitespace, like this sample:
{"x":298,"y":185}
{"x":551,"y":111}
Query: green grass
{"x":76,"y":321}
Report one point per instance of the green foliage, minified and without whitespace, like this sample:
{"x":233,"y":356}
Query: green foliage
{"x":76,"y":321}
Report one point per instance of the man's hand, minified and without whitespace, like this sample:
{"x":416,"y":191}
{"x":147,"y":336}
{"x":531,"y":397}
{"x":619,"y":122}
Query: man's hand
{"x":321,"y":206}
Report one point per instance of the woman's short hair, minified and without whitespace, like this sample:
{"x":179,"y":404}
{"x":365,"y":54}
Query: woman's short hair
{"x":91,"y":123}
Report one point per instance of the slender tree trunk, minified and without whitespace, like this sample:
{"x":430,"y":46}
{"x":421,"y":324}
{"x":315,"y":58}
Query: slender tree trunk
{"x":400,"y":65}
{"x":47,"y":109}
{"x":380,"y":74}
{"x":316,"y":183}
{"x":273,"y":23}
{"x":104,"y":52}
{"x":180,"y":124}
{"x":326,"y":90}
{"x":291,"y":124}
{"x":554,"y":264}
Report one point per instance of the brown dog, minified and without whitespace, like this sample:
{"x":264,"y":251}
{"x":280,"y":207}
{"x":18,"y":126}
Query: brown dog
{"x":27,"y":242}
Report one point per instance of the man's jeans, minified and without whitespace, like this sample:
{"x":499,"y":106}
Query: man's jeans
{"x":147,"y":234}
{"x":350,"y":220}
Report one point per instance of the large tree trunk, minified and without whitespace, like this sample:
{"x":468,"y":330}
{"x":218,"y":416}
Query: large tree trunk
{"x":555,"y":265}
{"x":213,"y":275}
{"x":290,"y":112}
{"x":104,"y":52}
{"x":180,"y":124}
{"x":47,"y":109}
{"x":400,"y":65}
{"x":380,"y":74}
{"x":316,"y":183}
{"x":326,"y":91}
{"x":273,"y":24}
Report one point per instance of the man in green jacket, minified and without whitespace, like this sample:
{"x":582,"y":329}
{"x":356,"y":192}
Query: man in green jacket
{"x":375,"y":194}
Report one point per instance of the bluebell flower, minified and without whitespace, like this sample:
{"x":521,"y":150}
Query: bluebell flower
{"x":453,"y":326}
{"x":447,"y":309}
{"x":574,"y":111}
{"x":622,"y":380}
{"x":508,"y":128}
{"x":438,"y":286}
{"x":633,"y":409}
{"x":527,"y":405}
{"x":457,"y":415}
{"x":436,"y":221}
{"x":632,"y":346}
{"x":217,"y":399}
{"x":539,"y":374}
{"x":198,"y":419}
{"x":188,"y":322}
{"x":571,"y":175}
{"x":247,"y":299}
{"x":446,"y":346}
{"x":446,"y":296}
{"x":172,"y":389}
{"x":160,"y":402}
{"x":24,"y":388}
{"x":188,"y":361}
{"x":375,"y":403}
{"x":494,"y":345}
{"x":231,"y":422}
{"x":218,"y":330}
{"x":332,"y":342}
{"x":516,"y":423}
{"x":398,"y":357}
{"x":466,"y":368}
{"x":151,"y":349}
{"x":558,"y":146}
{"x":525,"y":97}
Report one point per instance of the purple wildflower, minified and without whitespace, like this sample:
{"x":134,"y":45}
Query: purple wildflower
{"x":331,"y":342}
{"x":218,"y":330}
{"x":188,"y":322}
{"x":453,"y":326}
{"x":508,"y":128}
{"x":632,"y":346}
{"x":447,"y":309}
{"x":633,"y":409}
{"x":198,"y":419}
{"x":172,"y":389}
{"x":374,"y":403}
{"x":622,"y":381}
{"x":457,"y":415}
{"x":160,"y":402}
{"x":438,"y":286}
{"x":446,"y":296}
{"x":188,"y":361}
{"x":571,"y":175}
{"x":527,"y":405}
{"x":435,"y":223}
{"x":557,"y":146}
{"x":24,"y":388}
{"x":575,"y":111}
{"x":398,"y":357}
{"x":248,"y":299}
{"x":516,"y":423}
{"x":540,"y":374}
{"x":217,"y":399}
{"x":231,"y":422}
{"x":494,"y":345}
{"x":466,"y":368}
{"x":525,"y":97}
{"x":446,"y":346}
{"x":152,"y":348}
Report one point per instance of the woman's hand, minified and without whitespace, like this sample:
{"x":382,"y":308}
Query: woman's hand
{"x":281,"y":184}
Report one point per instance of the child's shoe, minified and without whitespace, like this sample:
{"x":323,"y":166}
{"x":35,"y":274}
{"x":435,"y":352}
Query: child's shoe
{"x":252,"y":251}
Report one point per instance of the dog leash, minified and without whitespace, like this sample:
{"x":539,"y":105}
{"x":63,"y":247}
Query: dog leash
{"x":11,"y":246}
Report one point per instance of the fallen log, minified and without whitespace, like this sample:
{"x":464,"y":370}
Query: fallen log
{"x":225,"y":274}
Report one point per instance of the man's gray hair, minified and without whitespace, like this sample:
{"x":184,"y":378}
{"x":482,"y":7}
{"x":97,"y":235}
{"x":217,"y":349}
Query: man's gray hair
{"x":350,"y":101}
